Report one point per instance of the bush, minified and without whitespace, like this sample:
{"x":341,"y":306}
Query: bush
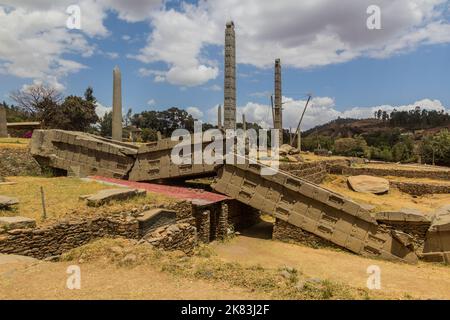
{"x":355,"y":147}
{"x":437,"y":148}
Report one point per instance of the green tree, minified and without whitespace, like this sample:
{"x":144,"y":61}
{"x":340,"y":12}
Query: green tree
{"x":89,"y":95}
{"x":75,"y":114}
{"x":436,"y":148}
{"x":106,"y":125}
{"x":355,"y":147}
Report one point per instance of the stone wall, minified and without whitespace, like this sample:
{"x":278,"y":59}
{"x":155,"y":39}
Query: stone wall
{"x":284,"y":231}
{"x":419,"y":189}
{"x":179,"y":236}
{"x":17,"y":162}
{"x":349,"y":171}
{"x":315,"y":171}
{"x":55,"y":239}
{"x":417,"y":230}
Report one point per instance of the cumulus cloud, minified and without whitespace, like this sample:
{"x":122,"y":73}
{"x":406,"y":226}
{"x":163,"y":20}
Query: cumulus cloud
{"x":151,"y":102}
{"x":195,"y":112}
{"x":35,"y":40}
{"x":305,"y":34}
{"x":177,"y":39}
{"x":101,"y":110}
{"x":320,"y":110}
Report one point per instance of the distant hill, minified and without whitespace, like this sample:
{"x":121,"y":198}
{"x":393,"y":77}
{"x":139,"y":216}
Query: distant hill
{"x":347,"y":128}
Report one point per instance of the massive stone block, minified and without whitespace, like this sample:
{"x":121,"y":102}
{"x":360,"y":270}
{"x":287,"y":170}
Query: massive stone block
{"x":437,"y":242}
{"x":83,"y":154}
{"x":3,"y":123}
{"x":313,"y":209}
{"x":289,"y":198}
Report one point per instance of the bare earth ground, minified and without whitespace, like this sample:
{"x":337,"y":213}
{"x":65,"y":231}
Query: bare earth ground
{"x":46,"y":280}
{"x":393,"y":200}
{"x":423,"y":281}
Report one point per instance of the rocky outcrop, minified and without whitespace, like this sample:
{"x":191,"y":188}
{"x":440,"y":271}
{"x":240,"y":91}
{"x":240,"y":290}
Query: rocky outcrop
{"x":11,"y":223}
{"x":17,"y":162}
{"x":180,"y":236}
{"x":368,"y":184}
{"x":437,"y":243}
{"x":55,"y":239}
{"x":7,"y":202}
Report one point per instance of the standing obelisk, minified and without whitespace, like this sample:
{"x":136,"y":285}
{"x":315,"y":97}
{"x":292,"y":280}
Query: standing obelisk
{"x":229,"y":104}
{"x":117,"y":105}
{"x":278,"y":114}
{"x":219,"y":117}
{"x":3,"y":124}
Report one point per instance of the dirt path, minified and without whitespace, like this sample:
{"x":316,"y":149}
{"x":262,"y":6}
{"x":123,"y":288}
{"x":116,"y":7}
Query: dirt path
{"x":46,"y":280}
{"x":254,"y":246}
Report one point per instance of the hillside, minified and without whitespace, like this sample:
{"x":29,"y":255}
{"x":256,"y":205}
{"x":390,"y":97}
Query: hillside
{"x":347,"y":128}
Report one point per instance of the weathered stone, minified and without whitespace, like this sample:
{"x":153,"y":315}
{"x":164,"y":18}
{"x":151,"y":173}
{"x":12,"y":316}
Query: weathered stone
{"x":284,"y":149}
{"x":368,"y":184}
{"x":3,"y":124}
{"x":292,"y":158}
{"x":437,"y":243}
{"x":117,"y":105}
{"x":403,"y":215}
{"x":229,"y":88}
{"x":6,"y":202}
{"x":12,"y":223}
{"x":181,"y":236}
{"x":155,"y":218}
{"x":277,"y":107}
{"x":105,"y":196}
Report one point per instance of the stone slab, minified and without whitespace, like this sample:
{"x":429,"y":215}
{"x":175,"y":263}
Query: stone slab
{"x":107,"y":195}
{"x":155,"y":218}
{"x":6,"y":202}
{"x":12,"y":223}
{"x":368,"y":184}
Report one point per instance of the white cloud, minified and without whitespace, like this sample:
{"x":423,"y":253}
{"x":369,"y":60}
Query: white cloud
{"x":112,"y":55}
{"x":303,"y":34}
{"x":35,"y":40}
{"x":320,"y":110}
{"x":195,"y":112}
{"x":177,"y":39}
{"x":101,"y":110}
{"x":151,"y":102}
{"x":214,"y":87}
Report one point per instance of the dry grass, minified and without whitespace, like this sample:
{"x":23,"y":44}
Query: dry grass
{"x":399,"y":166}
{"x":17,"y":143}
{"x":310,"y":156}
{"x":282,"y":283}
{"x":62,"y":198}
{"x":393,"y":200}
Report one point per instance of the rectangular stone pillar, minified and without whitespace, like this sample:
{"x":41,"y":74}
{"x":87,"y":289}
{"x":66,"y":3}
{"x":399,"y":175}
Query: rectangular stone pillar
{"x":278,"y":114}
{"x":203,"y":224}
{"x":117,"y":105}
{"x":219,"y":117}
{"x":3,"y":125}
{"x":230,"y":78}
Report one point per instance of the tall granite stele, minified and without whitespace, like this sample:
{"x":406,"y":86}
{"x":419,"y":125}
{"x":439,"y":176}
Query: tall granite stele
{"x":117,"y":105}
{"x":219,"y":117}
{"x":3,"y":126}
{"x":229,"y":88}
{"x":278,"y":109}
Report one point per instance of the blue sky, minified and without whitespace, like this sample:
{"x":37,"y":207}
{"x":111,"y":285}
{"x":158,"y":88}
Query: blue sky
{"x":171,"y":54}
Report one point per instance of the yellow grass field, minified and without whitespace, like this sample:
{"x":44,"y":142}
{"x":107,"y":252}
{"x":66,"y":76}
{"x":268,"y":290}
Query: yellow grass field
{"x":18,"y":143}
{"x":62,"y":198}
{"x":393,"y":200}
